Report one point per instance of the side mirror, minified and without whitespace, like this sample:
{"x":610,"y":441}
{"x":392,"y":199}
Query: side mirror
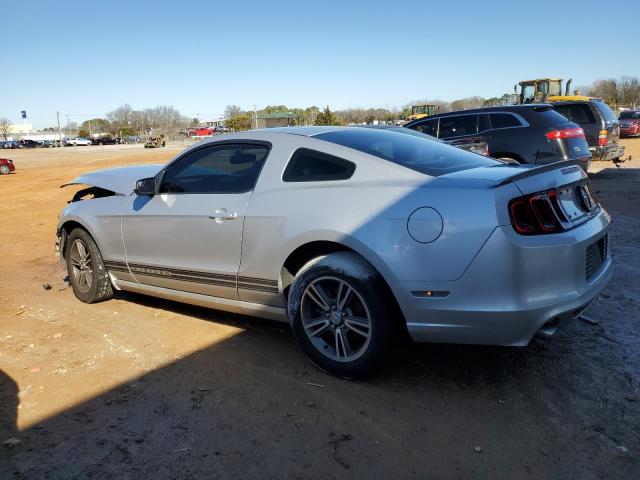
{"x":146,"y":186}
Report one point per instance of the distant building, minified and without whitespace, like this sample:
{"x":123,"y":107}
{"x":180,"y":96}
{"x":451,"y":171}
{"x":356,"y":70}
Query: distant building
{"x":219,"y":123}
{"x":277,"y":119}
{"x":20,"y":128}
{"x":25,"y":131}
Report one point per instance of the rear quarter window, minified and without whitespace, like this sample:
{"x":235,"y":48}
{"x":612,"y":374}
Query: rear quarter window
{"x":504,"y":120}
{"x":308,"y":165}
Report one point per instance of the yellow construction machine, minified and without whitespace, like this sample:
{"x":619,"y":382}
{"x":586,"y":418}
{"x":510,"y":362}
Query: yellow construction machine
{"x":421,"y":111}
{"x":545,"y":90}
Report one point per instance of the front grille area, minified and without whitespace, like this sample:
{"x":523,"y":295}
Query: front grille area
{"x":596,"y":255}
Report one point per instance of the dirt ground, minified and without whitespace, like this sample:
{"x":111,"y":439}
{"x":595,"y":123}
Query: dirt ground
{"x":143,"y":388}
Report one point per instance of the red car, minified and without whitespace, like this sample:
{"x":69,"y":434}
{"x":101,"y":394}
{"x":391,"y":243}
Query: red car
{"x":6,"y":166}
{"x":630,"y":123}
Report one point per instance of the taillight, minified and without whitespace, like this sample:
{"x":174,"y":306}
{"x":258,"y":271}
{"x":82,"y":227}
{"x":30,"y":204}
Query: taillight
{"x":540,"y":213}
{"x":602,"y":138}
{"x":565,"y":133}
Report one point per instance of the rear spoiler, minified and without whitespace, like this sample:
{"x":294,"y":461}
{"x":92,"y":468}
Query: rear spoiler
{"x":567,"y":166}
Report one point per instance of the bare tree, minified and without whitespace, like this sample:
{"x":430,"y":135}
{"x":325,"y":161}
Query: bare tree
{"x":629,"y":91}
{"x":232,"y":111}
{"x":467,"y":103}
{"x":120,"y":118}
{"x":605,"y":89}
{"x":5,"y":125}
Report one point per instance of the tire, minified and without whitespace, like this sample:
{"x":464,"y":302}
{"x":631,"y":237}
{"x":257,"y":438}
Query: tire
{"x":350,"y":334}
{"x":96,"y":285}
{"x":4,"y":170}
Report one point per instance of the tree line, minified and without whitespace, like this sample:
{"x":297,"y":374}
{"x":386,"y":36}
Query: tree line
{"x":166,"y":119}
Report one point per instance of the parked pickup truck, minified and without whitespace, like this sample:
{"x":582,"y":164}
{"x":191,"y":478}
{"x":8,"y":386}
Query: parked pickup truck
{"x":600,"y":125}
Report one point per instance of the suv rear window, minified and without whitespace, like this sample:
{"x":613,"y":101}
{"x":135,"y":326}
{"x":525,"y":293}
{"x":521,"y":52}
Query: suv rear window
{"x":608,"y":115}
{"x":420,"y":154}
{"x":578,"y":113}
{"x":544,"y":117}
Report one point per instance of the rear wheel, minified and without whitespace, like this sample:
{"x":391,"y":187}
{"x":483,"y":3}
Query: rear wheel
{"x":4,"y":170}
{"x":340,"y":314}
{"x":85,"y":267}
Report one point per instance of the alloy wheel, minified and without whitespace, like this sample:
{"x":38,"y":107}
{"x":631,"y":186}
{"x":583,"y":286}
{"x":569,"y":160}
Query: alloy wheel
{"x":336,"y":319}
{"x":81,"y":267}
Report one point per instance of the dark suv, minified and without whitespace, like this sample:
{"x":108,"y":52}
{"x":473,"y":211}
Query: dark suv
{"x":600,"y":125}
{"x":533,"y":133}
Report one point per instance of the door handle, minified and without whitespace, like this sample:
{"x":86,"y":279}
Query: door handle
{"x":222,"y":215}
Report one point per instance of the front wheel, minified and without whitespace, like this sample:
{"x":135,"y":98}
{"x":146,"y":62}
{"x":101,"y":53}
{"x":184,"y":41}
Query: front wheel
{"x":340,"y":315}
{"x":87,"y":273}
{"x":4,"y":170}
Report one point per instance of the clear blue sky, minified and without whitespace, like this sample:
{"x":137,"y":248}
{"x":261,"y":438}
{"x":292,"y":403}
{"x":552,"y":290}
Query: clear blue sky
{"x":85,"y":58}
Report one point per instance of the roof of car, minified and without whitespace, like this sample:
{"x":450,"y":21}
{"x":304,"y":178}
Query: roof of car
{"x":577,"y":100}
{"x":526,"y":106}
{"x":304,"y":131}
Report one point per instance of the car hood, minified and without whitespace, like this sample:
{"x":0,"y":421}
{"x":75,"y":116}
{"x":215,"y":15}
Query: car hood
{"x":118,"y":180}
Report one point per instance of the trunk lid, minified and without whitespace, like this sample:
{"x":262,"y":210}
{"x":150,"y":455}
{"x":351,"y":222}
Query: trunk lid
{"x":529,"y":178}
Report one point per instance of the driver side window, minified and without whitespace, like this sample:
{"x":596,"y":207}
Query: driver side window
{"x":216,"y":169}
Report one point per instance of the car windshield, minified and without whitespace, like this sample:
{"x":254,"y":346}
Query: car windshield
{"x":411,"y":151}
{"x":629,"y":114}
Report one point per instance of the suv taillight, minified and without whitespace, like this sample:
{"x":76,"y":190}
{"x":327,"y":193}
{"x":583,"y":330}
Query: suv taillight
{"x":602,"y":138}
{"x":565,"y":133}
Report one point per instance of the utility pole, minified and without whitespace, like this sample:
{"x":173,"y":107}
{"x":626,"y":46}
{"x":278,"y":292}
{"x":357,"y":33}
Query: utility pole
{"x":255,"y":116}
{"x":59,"y":131}
{"x":89,"y":122}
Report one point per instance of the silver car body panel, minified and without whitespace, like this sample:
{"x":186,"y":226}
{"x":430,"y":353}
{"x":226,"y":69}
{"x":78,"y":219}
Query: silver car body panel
{"x":501,"y":287}
{"x":120,"y":180}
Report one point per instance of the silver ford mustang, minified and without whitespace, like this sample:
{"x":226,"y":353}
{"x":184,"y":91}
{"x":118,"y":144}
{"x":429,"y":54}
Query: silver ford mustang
{"x":352,"y":235}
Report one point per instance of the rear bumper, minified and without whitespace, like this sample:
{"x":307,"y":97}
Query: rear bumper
{"x":609,"y":152}
{"x":515,"y":288}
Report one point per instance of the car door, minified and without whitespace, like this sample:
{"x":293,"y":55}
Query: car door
{"x":188,"y":236}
